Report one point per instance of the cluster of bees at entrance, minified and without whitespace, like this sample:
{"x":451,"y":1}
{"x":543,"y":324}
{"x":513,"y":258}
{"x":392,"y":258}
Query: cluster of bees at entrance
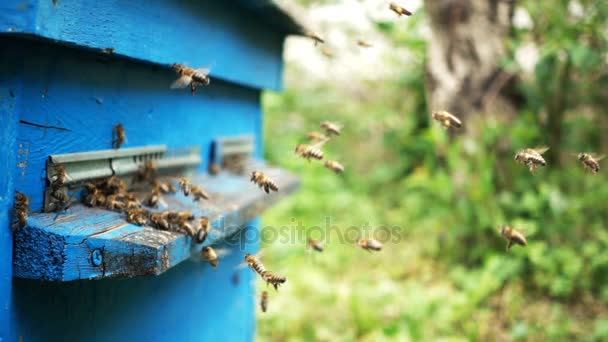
{"x":112,"y":193}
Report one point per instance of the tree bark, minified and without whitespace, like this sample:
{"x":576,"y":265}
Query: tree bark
{"x":467,"y":46}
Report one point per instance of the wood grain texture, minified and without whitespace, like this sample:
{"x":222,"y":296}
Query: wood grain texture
{"x":61,"y":249}
{"x":239,"y":46}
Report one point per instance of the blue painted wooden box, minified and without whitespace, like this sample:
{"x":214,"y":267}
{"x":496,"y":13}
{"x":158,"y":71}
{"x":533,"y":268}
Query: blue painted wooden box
{"x":90,"y":276}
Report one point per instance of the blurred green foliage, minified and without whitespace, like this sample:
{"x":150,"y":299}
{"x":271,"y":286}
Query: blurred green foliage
{"x":450,"y":276}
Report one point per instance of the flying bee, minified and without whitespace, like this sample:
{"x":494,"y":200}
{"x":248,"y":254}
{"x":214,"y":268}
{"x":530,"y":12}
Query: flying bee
{"x":446,"y":119}
{"x":264,"y":181}
{"x":138,"y":216}
{"x":255,"y":264}
{"x":315,"y":137}
{"x":327,"y":53}
{"x":185,"y":186}
{"x":120,"y":136}
{"x":60,"y":177}
{"x":398,"y":9}
{"x":159,"y":221}
{"x":190,"y":77}
{"x":532,"y":157}
{"x":331,"y":128}
{"x":370,"y":245}
{"x":204,"y":229}
{"x":264,"y":301}
{"x":315,"y":37}
{"x":334,"y":166}
{"x":198,"y":193}
{"x":316,"y":245}
{"x":590,"y":162}
{"x":364,"y":44}
{"x":513,"y":237}
{"x":309,"y":151}
{"x":209,"y":254}
{"x":274,"y":279}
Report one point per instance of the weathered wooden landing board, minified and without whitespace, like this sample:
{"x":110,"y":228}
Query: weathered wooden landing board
{"x":92,"y":243}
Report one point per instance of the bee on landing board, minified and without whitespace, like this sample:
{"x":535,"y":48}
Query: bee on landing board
{"x":532,"y":157}
{"x":334,"y":166}
{"x":316,"y":245}
{"x":138,"y":216}
{"x":60,"y":177}
{"x":203,"y":230}
{"x":263,"y":181}
{"x":370,"y":245}
{"x":198,"y":193}
{"x":264,"y":301}
{"x":590,"y":162}
{"x":446,"y":119}
{"x":190,"y":77}
{"x":185,"y":186}
{"x":315,"y":37}
{"x":513,"y":237}
{"x":398,"y":9}
{"x":331,"y":128}
{"x":120,"y":136}
{"x":309,"y":151}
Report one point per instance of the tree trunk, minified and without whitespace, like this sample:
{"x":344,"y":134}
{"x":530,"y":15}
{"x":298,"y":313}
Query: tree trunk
{"x":467,"y":46}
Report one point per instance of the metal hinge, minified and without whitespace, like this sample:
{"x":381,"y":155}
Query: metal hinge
{"x":85,"y":166}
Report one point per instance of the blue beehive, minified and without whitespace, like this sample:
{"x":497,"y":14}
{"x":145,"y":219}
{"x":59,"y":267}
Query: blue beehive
{"x":69,"y":72}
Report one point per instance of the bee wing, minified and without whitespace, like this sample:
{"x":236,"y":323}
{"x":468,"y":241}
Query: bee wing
{"x":320,"y":143}
{"x":541,"y":149}
{"x":182,"y":82}
{"x":204,"y":71}
{"x":598,"y":158}
{"x":222,"y":252}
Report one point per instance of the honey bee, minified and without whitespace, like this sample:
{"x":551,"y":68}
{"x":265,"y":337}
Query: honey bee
{"x":315,"y":137}
{"x":398,"y":9}
{"x":62,"y":200}
{"x":164,"y":187}
{"x":94,"y":197}
{"x":446,"y":119}
{"x":120,"y":136}
{"x":590,"y":162}
{"x":316,"y":245}
{"x":204,"y":229}
{"x":60,"y":177}
{"x":264,"y":181}
{"x":153,"y":198}
{"x":364,"y":44}
{"x":159,"y":221}
{"x":190,"y":77}
{"x":255,"y":264}
{"x":334,"y":166}
{"x":532,"y":157}
{"x":185,"y":216}
{"x":327,"y":53}
{"x":370,"y":245}
{"x":138,"y":216}
{"x":274,"y":279}
{"x":264,"y":301}
{"x":147,"y":171}
{"x":112,"y":203}
{"x":209,"y":254}
{"x":185,"y":186}
{"x":198,"y":193}
{"x":331,"y":128}
{"x":309,"y":151}
{"x":214,"y":169}
{"x":315,"y":37}
{"x":133,"y":204}
{"x":513,"y":237}
{"x":21,"y":209}
{"x":114,"y":185}
{"x":187,"y":228}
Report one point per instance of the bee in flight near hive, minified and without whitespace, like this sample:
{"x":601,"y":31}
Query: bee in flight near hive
{"x":398,"y":9}
{"x":255,"y":264}
{"x":334,"y":166}
{"x":513,"y":237}
{"x":198,"y":193}
{"x":364,"y":44}
{"x":315,"y":37}
{"x":316,"y":245}
{"x":21,"y":209}
{"x":274,"y":279}
{"x":203,"y":230}
{"x":590,"y":162}
{"x":532,"y":157}
{"x":370,"y":245}
{"x":190,"y":77}
{"x":316,"y":137}
{"x":264,"y":301}
{"x":309,"y":151}
{"x":331,"y":128}
{"x":209,"y":254}
{"x":446,"y":119}
{"x":264,"y":181}
{"x":120,"y":136}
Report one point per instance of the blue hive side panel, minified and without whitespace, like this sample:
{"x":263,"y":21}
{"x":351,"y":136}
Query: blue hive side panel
{"x":238,"y":45}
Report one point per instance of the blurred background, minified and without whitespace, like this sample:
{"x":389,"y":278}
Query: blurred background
{"x":520,"y":74}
